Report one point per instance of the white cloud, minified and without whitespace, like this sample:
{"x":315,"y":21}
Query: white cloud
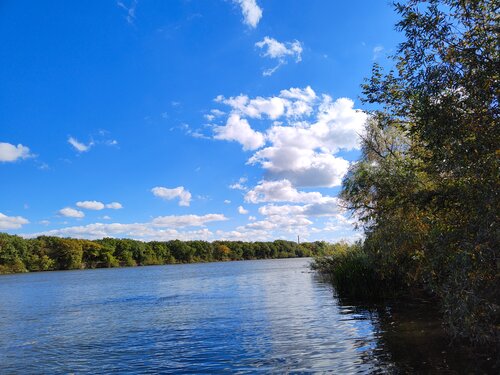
{"x":114,"y":205}
{"x":292,"y":103}
{"x":168,"y":194}
{"x":240,"y":185}
{"x":217,"y":112}
{"x":280,"y":222}
{"x":80,"y":147}
{"x":289,"y":224}
{"x":181,"y":221}
{"x":306,"y":95}
{"x":97,"y":206}
{"x":238,"y":129}
{"x":242,"y":210}
{"x":12,"y":222}
{"x":9,"y":152}
{"x":140,"y":231}
{"x":302,"y":166}
{"x":162,"y":228}
{"x":281,"y":191}
{"x":244,"y":234}
{"x":289,"y":218}
{"x":71,"y":212}
{"x":90,"y":205}
{"x":227,"y":201}
{"x":273,"y":107}
{"x":252,"y":13}
{"x":302,"y":141}
{"x":328,"y":207}
{"x":252,"y":218}
{"x":279,"y":51}
{"x":214,"y":113}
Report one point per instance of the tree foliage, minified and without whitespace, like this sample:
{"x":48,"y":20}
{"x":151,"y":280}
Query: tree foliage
{"x":426,"y":187}
{"x":46,"y":253}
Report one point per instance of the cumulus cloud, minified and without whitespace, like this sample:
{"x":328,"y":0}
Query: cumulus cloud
{"x":244,"y":234}
{"x":279,"y":51}
{"x":281,"y":191}
{"x":302,"y":166}
{"x":180,"y":221}
{"x":297,"y":219}
{"x":288,"y":224}
{"x":97,"y":206}
{"x":214,"y":113}
{"x":71,"y":212}
{"x":242,"y":105}
{"x":288,"y":218}
{"x":10,"y":153}
{"x":79,"y":146}
{"x":328,"y":207}
{"x":168,"y":194}
{"x":139,"y":231}
{"x":114,"y":205}
{"x":242,"y":210}
{"x":238,"y":129}
{"x":305,"y":133}
{"x":240,"y":185}
{"x":162,"y":228}
{"x":90,"y":205}
{"x":252,"y":13}
{"x":11,"y":222}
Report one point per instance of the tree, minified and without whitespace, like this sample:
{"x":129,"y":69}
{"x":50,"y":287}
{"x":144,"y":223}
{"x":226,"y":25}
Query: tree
{"x":427,"y":186}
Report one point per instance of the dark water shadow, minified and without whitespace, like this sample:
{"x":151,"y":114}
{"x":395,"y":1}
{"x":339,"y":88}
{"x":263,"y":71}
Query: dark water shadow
{"x":411,"y":338}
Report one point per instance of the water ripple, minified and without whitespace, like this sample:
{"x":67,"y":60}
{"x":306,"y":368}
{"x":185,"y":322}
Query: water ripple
{"x":239,"y":317}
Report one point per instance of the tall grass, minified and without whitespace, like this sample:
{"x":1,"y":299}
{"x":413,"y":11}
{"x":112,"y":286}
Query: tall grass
{"x":353,"y":273}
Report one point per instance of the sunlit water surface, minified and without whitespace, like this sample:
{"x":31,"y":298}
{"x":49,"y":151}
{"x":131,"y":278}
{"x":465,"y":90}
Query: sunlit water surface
{"x":253,"y":316}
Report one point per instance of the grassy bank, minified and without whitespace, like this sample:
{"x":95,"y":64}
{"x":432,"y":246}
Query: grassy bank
{"x":354,"y":273}
{"x":359,"y":274}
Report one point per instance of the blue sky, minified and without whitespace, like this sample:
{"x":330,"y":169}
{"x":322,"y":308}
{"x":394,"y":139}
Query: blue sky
{"x":155,"y":120}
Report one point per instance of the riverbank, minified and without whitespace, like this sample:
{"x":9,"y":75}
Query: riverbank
{"x":359,"y":278}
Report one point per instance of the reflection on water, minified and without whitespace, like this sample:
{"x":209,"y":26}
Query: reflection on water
{"x":268,"y":316}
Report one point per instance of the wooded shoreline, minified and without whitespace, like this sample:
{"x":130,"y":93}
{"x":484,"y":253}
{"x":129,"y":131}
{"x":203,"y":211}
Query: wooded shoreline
{"x":45,"y":253}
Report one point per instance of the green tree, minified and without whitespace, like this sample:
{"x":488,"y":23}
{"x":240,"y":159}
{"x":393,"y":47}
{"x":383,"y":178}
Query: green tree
{"x":427,"y":186}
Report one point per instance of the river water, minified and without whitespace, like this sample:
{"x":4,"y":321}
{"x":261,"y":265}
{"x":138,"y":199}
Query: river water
{"x":233,"y":317}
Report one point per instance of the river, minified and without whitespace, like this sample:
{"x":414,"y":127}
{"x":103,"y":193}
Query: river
{"x":244,"y":317}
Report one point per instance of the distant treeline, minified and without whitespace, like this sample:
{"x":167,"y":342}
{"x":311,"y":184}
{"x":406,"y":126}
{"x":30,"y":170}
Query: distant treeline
{"x":18,"y":254}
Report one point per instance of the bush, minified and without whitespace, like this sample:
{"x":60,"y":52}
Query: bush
{"x":353,"y":273}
